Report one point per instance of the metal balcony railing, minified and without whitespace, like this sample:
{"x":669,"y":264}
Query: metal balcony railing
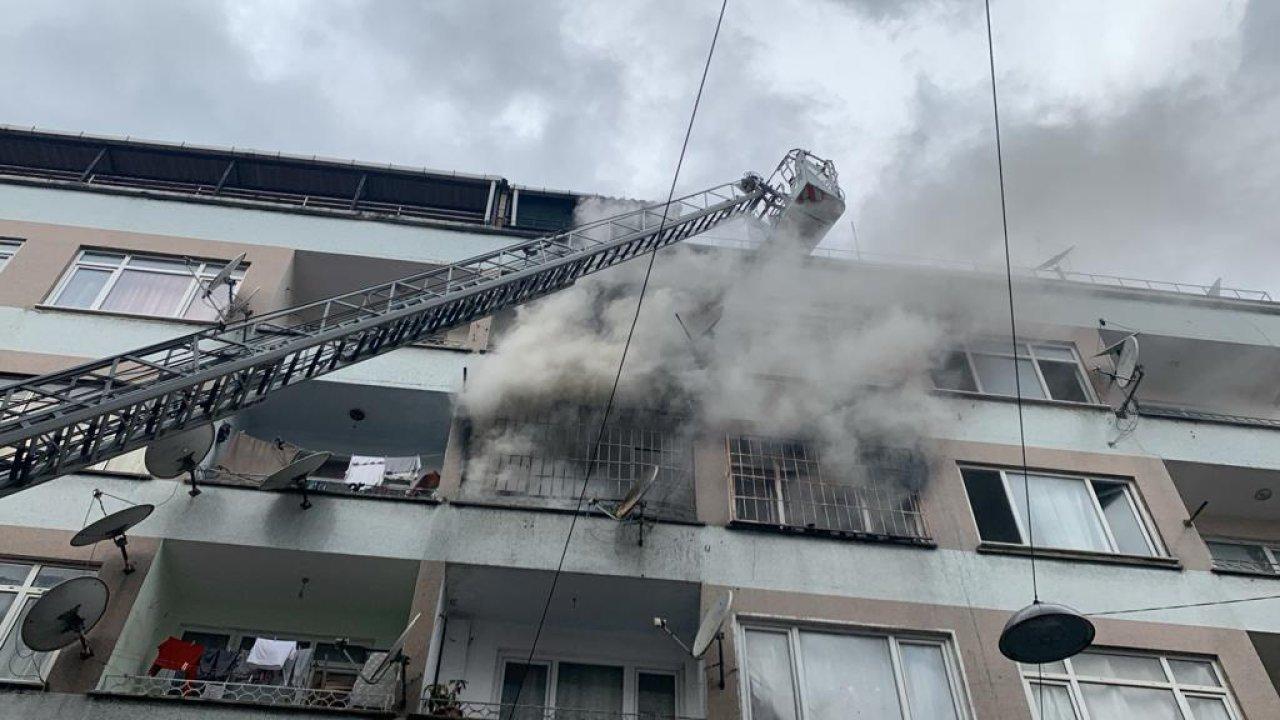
{"x":501,"y":711}
{"x":1181,"y":413}
{"x":179,"y":689}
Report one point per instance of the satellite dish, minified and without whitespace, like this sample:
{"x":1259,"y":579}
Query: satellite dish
{"x":1215,"y":289}
{"x":1055,"y":262}
{"x":181,"y":452}
{"x":1125,"y":354}
{"x":395,"y":654}
{"x":633,"y":497}
{"x":224,"y":276}
{"x":709,"y":628}
{"x":113,"y":528}
{"x":64,"y":614}
{"x":295,"y":475}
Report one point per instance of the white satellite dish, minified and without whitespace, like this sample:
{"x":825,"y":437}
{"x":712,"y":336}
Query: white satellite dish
{"x":628,"y":504}
{"x":1055,"y":262}
{"x":1124,"y":352}
{"x":224,"y":276}
{"x":395,"y":654}
{"x":64,"y":614}
{"x":113,"y":528}
{"x":709,"y":628}
{"x":295,"y":475}
{"x":172,"y":455}
{"x":1215,"y":290}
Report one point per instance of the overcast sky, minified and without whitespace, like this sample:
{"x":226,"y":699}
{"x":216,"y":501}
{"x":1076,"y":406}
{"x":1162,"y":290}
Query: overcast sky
{"x":1145,"y":133}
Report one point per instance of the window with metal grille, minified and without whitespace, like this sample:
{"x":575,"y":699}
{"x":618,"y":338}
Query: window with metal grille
{"x":542,"y":459}
{"x":784,"y":483}
{"x":142,"y":285}
{"x":1245,"y":556}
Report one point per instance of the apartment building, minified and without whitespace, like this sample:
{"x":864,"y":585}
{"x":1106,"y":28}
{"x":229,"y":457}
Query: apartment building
{"x":874,"y":586}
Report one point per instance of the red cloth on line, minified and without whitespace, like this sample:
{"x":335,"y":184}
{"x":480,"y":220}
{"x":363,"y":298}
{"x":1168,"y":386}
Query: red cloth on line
{"x":179,"y":655}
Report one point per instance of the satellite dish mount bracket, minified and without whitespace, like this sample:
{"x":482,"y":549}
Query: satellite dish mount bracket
{"x":122,"y":541}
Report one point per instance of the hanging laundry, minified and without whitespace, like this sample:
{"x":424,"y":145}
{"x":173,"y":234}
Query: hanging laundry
{"x":296,"y":675}
{"x":403,"y":469}
{"x":366,"y":471}
{"x":179,"y":656}
{"x":267,"y":654}
{"x":216,"y":663}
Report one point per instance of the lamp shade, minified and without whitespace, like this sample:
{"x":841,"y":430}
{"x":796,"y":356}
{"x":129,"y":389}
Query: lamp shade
{"x":1045,"y":633}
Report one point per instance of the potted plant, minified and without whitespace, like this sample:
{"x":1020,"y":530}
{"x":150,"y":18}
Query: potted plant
{"x":442,"y":699}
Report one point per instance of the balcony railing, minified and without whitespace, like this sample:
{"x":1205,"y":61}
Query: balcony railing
{"x":374,"y":700}
{"x":1181,"y":413}
{"x":500,"y":711}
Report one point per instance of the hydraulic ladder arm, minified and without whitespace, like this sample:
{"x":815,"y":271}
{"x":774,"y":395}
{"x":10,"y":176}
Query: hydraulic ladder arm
{"x":62,"y":422}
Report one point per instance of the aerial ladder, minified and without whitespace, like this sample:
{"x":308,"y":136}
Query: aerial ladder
{"x":62,"y":422}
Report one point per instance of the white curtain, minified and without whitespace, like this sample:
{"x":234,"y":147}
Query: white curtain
{"x":769,"y":666}
{"x":1208,"y":708}
{"x":147,"y":293}
{"x":848,"y":676}
{"x":1062,"y":513}
{"x":928,"y":687}
{"x":1112,"y":702}
{"x":1051,"y":702}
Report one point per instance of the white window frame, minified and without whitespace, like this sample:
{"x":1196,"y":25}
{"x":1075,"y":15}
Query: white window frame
{"x":1136,"y":505}
{"x":1032,"y":675}
{"x":895,"y":638}
{"x":8,"y":248}
{"x":630,"y":677}
{"x":9,"y":623}
{"x":1026,"y":351}
{"x":1270,"y":550}
{"x":205,"y":269}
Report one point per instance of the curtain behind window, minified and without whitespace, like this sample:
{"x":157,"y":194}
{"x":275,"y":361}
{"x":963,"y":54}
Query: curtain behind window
{"x":593,"y":688}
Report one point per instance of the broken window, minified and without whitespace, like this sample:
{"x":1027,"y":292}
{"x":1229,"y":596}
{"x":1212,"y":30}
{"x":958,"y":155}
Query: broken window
{"x":542,"y":459}
{"x":784,"y":483}
{"x":1066,"y":512}
{"x":1041,"y":370}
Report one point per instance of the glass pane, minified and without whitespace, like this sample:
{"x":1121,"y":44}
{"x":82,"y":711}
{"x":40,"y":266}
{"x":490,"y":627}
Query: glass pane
{"x":1204,"y":708}
{"x":591,"y":688}
{"x":996,"y":376}
{"x":203,"y":308}
{"x":82,"y":288}
{"x":1053,"y":700}
{"x":17,"y":661}
{"x":953,"y":373}
{"x":147,"y":293}
{"x":1119,"y":511}
{"x":141,"y":263}
{"x":101,"y":258}
{"x":1058,"y":667}
{"x":769,"y":676}
{"x":1194,"y":672}
{"x":1064,"y":381}
{"x":1054,"y":352}
{"x":1233,"y":556}
{"x":847,"y":676}
{"x":656,"y":695}
{"x":1112,"y":702}
{"x":50,"y":576}
{"x":1062,"y":512}
{"x":14,"y":573}
{"x":524,"y":691}
{"x":1118,"y":667}
{"x":990,"y":506}
{"x":6,"y":601}
{"x":928,"y":687}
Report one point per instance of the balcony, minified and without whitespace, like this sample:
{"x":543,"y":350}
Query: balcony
{"x":1235,"y":511}
{"x":219,"y":624}
{"x":598,"y":654}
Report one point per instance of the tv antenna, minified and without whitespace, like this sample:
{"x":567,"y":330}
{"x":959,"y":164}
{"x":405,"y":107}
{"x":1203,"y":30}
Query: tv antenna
{"x":1128,"y":372}
{"x":709,"y":629}
{"x":64,"y":614}
{"x":295,"y":475}
{"x":113,"y":527}
{"x":172,"y":455}
{"x":631,"y":508}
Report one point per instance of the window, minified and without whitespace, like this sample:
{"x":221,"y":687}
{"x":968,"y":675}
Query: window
{"x":1243,"y":556}
{"x":1067,"y":512}
{"x":803,"y":674}
{"x":582,"y":691}
{"x":1049,"y":371}
{"x":1118,"y":686}
{"x":143,"y":285}
{"x":782,"y":483}
{"x":20,"y":585}
{"x":8,"y":247}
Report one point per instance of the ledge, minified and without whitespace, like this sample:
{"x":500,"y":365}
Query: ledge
{"x":1162,"y":563}
{"x":530,"y":507}
{"x":127,"y":315}
{"x":1067,"y":404}
{"x":845,"y":535}
{"x":1246,"y":573}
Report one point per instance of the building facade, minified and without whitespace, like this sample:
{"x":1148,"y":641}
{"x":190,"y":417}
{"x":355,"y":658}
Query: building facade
{"x":875,"y":587}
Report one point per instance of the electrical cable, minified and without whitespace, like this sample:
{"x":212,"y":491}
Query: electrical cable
{"x":1206,"y":603}
{"x":595,"y":448}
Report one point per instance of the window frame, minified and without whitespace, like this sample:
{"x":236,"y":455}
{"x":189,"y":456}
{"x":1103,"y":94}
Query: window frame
{"x":198,"y":268}
{"x":895,"y":638}
{"x":1269,"y":549}
{"x":1137,"y":506}
{"x":631,"y":672}
{"x":1033,"y":675}
{"x":22,"y":594}
{"x":9,"y":247}
{"x":1026,"y":351}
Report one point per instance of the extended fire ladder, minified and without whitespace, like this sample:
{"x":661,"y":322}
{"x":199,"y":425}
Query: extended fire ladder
{"x":62,"y":422}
